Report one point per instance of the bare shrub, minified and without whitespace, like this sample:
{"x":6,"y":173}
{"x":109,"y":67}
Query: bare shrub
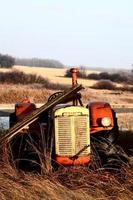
{"x":19,"y":77}
{"x":115,"y":77}
{"x":93,"y":76}
{"x":119,"y":78}
{"x":104,"y":84}
{"x":16,"y":77}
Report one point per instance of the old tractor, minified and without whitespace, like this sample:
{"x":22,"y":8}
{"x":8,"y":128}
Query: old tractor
{"x":62,"y":132}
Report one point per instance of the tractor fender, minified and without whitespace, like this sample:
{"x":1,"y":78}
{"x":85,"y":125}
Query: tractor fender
{"x":98,"y":111}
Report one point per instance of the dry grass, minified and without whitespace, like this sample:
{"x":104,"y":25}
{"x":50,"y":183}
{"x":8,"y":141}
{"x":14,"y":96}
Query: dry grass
{"x":16,"y":93}
{"x":125,"y":120}
{"x":10,"y":93}
{"x":117,"y":98}
{"x":67,"y":184}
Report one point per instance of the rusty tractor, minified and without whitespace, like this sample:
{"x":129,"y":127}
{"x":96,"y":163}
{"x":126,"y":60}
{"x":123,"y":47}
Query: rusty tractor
{"x":63,"y":132}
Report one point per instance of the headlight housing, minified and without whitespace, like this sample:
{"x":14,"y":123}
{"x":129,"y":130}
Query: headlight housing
{"x":106,"y":121}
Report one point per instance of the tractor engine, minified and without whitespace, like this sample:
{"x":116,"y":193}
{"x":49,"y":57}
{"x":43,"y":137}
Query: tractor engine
{"x":72,"y":135}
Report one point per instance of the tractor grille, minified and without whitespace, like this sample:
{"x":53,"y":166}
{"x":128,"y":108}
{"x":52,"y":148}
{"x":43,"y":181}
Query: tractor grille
{"x":72,"y":135}
{"x":81,"y":134}
{"x":64,"y":136}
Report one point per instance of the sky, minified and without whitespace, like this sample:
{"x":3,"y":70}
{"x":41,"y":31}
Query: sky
{"x":93,"y":33}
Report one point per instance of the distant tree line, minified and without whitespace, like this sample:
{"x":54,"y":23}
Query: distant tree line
{"x":37,"y":62}
{"x":6,"y":61}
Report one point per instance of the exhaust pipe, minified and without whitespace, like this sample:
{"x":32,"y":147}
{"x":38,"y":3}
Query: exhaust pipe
{"x":74,"y":72}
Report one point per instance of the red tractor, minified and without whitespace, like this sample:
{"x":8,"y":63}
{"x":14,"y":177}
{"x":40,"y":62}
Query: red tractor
{"x":61,"y":133}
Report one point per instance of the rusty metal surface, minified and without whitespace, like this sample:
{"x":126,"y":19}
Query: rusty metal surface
{"x":35,"y":114}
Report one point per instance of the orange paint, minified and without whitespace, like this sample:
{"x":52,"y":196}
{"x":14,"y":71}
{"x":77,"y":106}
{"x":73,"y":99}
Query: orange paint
{"x":99,"y":110}
{"x":24,"y":108}
{"x":66,"y":161}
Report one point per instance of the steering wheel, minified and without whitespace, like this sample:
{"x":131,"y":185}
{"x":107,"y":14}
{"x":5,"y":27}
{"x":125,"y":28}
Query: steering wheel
{"x":53,"y":96}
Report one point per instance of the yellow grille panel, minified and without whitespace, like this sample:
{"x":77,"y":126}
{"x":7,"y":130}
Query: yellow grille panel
{"x":64,"y":143}
{"x":82,"y":134}
{"x":72,"y":133}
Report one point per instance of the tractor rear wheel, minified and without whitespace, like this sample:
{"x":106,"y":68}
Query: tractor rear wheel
{"x":110,"y":156}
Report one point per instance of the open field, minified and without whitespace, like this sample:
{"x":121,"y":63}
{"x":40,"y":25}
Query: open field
{"x":57,"y":75}
{"x":53,"y":74}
